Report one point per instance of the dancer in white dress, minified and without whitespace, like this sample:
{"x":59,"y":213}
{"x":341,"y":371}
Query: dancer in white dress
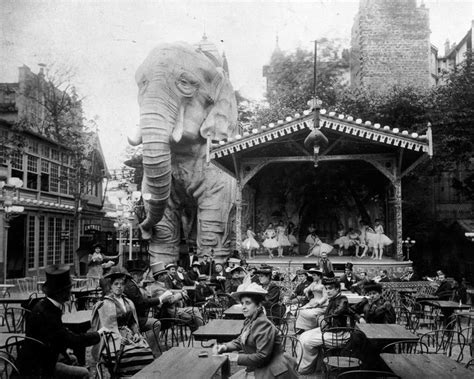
{"x":270,"y":243}
{"x":250,"y":243}
{"x":316,"y":246}
{"x":308,"y":315}
{"x":381,"y":240}
{"x":282,"y":239}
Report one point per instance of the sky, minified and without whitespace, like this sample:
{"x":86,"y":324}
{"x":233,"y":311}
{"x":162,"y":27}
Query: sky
{"x":105,"y":41}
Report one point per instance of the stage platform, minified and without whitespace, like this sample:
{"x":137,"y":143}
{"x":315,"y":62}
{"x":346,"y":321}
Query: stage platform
{"x":373,"y":267}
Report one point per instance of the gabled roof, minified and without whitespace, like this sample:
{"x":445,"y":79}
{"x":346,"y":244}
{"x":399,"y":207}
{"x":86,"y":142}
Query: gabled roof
{"x":338,"y":123}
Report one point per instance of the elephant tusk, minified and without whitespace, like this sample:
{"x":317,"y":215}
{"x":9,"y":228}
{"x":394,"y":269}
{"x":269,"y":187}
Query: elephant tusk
{"x":178,"y":129}
{"x":136,"y":139}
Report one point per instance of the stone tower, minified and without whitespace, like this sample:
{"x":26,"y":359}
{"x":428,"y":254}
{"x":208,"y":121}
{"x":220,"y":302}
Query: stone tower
{"x":390,"y":44}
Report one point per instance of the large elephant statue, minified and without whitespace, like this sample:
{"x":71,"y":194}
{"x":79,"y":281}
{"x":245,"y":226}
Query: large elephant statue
{"x":185,"y":99}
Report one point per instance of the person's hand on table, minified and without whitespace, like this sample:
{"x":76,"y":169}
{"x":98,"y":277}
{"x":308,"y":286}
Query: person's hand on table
{"x":233,"y":357}
{"x":218,"y":349}
{"x":362,"y":320}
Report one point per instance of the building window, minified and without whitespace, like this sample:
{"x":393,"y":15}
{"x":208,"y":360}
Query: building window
{"x":55,"y":154}
{"x":69,"y":251}
{"x":17,"y":165}
{"x":54,"y":178}
{"x":31,"y":241}
{"x":64,"y":179}
{"x":32,"y":172}
{"x":33,"y":145}
{"x":44,"y":176}
{"x":45,"y":151}
{"x":50,"y":257}
{"x":41,"y":242}
{"x":57,"y":247}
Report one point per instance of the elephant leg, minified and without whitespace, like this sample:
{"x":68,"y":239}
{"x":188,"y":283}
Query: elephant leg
{"x":164,"y":244}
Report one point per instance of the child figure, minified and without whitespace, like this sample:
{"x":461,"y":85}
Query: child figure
{"x":381,"y":240}
{"x":250,"y":243}
{"x":282,"y":239}
{"x":270,"y":241}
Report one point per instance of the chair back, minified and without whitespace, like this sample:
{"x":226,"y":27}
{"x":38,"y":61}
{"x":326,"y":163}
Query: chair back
{"x":15,"y":318}
{"x":406,"y":347}
{"x":8,"y":368}
{"x":212,"y":310}
{"x":110,"y":355}
{"x":293,"y":346}
{"x":175,"y":332}
{"x":362,"y":374}
{"x":277,"y":310}
{"x":281,"y":324}
{"x":441,"y":341}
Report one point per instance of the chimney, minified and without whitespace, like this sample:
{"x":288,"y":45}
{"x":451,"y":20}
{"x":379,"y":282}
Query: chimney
{"x":41,"y":70}
{"x":446,"y":48}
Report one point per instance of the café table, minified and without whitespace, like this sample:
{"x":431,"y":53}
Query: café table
{"x":424,"y":298}
{"x":17,"y":299}
{"x":221,"y":330}
{"x":447,"y":307}
{"x":184,"y":362}
{"x":78,"y":322}
{"x":416,"y":366}
{"x":386,"y":333}
{"x":5,"y":289}
{"x":353,"y":298}
{"x":234,"y":312}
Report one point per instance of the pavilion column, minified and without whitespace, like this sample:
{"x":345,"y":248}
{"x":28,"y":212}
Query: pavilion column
{"x":397,"y":203}
{"x":238,"y":217}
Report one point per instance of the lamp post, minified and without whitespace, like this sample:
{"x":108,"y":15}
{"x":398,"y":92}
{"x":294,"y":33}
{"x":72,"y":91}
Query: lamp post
{"x":9,"y":211}
{"x":409,"y":243}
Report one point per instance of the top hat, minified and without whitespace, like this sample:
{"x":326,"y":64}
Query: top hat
{"x":157,"y":268}
{"x":169,"y":265}
{"x":349,"y":265}
{"x":135,"y":265}
{"x":57,"y":278}
{"x":117,"y":272}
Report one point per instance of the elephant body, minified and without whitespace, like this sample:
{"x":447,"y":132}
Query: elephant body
{"x":185,"y":98}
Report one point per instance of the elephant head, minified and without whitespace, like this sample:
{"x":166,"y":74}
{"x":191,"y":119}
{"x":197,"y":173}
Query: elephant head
{"x":184,"y":97}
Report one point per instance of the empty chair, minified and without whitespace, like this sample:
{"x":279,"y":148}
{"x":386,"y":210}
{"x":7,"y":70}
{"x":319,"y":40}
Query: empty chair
{"x":442,"y":341}
{"x":406,"y":347}
{"x":280,"y":323}
{"x":15,"y":318}
{"x":293,"y":346}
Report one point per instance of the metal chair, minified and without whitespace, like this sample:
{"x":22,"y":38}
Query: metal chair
{"x":109,"y":357}
{"x":14,"y":343}
{"x":406,"y":347}
{"x":175,"y":332}
{"x":470,"y":365}
{"x":293,"y":345}
{"x":8,"y":368}
{"x":15,"y":318}
{"x":442,"y":341}
{"x":212,"y":310}
{"x":362,"y":374}
{"x":280,"y":323}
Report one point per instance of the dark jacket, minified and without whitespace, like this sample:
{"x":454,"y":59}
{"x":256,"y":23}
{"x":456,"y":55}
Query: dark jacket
{"x":202,"y":292}
{"x":337,"y":311}
{"x":45,"y":325}
{"x":193,"y":275}
{"x":142,"y":302}
{"x":379,"y":312}
{"x":444,"y":291}
{"x":300,"y":288}
{"x":349,"y":280}
{"x":231,"y":286}
{"x":272,"y":298}
{"x":261,"y":350}
{"x":185,"y":280}
{"x":219,"y":282}
{"x":173,"y":282}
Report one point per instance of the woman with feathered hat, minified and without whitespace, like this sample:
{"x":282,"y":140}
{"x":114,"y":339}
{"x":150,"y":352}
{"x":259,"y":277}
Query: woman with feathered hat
{"x":259,"y":343}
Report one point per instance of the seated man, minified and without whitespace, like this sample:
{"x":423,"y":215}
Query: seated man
{"x":193,"y":273}
{"x":445,"y":290}
{"x":172,"y":280}
{"x":374,"y":309}
{"x":349,"y":278}
{"x":137,"y":294}
{"x":45,"y":325}
{"x":183,"y":277}
{"x":382,"y":278}
{"x":174,"y":308}
{"x":334,"y":316}
{"x":359,"y":286}
{"x":203,"y":291}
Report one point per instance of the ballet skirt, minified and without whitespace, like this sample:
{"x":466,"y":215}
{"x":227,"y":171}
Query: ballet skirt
{"x":382,"y":239}
{"x":343,"y":241}
{"x":371,"y":237}
{"x":282,"y":239}
{"x":310,"y":239}
{"x":250,"y":243}
{"x":292,"y":239}
{"x":321,"y":248}
{"x":270,"y":241}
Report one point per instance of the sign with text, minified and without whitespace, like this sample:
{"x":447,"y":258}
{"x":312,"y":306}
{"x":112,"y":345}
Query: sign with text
{"x":91,"y":228}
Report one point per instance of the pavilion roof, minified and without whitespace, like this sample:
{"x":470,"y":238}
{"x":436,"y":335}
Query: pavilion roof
{"x":341,"y":124}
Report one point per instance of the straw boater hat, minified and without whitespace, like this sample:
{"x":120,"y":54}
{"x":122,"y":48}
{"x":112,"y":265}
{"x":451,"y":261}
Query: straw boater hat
{"x":249,"y":289}
{"x":169,"y":265}
{"x":58,"y":278}
{"x":158,"y":268}
{"x":117,"y":272}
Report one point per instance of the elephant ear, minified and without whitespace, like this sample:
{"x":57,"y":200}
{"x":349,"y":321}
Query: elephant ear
{"x":221,"y":122}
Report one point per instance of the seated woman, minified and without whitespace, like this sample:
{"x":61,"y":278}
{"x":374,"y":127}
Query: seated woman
{"x":117,"y":313}
{"x":259,"y":344}
{"x":308,"y":315}
{"x":374,"y":309}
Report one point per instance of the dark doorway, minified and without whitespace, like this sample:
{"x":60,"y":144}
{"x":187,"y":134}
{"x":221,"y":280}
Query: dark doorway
{"x":16,"y":259}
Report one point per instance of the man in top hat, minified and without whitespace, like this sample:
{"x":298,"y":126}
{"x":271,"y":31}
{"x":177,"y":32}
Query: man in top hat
{"x":373,"y":309}
{"x":206,"y":265}
{"x":349,"y":277}
{"x":193,"y":257}
{"x":173,"y":308}
{"x":172,"y":281}
{"x":137,"y":294}
{"x":45,"y":325}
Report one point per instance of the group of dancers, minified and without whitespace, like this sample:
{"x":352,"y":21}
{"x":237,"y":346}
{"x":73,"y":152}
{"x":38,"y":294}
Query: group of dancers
{"x":366,"y":240}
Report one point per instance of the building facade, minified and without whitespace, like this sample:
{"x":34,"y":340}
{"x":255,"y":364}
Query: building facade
{"x":55,"y":209}
{"x":390,"y":44}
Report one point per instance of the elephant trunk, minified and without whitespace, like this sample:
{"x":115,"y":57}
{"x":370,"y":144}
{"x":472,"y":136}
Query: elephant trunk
{"x":155,"y":128}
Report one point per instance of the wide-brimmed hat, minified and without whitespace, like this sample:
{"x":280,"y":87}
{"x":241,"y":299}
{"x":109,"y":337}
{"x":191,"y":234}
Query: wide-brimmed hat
{"x":117,"y":272}
{"x":58,"y":278}
{"x":157,"y":268}
{"x":315,"y":270}
{"x":228,"y":269}
{"x":264,"y":269}
{"x":249,"y":289}
{"x":234,"y":260}
{"x":169,"y":265}
{"x":349,"y":265}
{"x":136,"y":265}
{"x":301,"y":272}
{"x":369,"y":287}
